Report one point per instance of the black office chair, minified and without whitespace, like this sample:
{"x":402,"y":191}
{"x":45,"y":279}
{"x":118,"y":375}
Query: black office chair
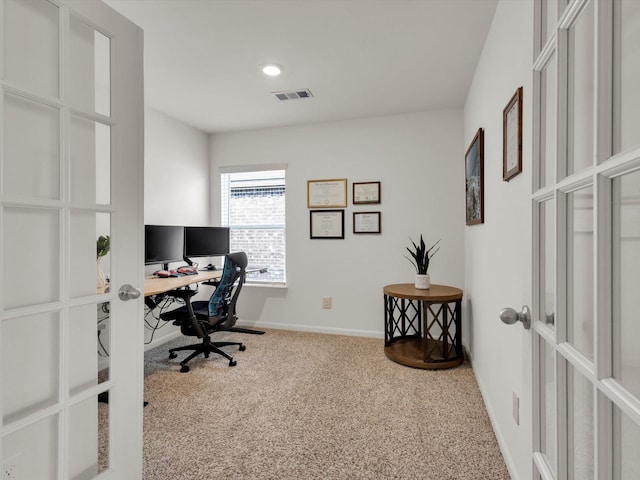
{"x":202,"y":318}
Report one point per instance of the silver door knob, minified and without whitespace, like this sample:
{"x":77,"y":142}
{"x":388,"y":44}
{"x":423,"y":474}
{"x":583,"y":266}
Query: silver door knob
{"x":510,"y":316}
{"x":128,"y":292}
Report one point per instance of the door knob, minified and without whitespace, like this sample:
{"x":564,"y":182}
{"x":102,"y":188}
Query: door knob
{"x":128,"y":292}
{"x":510,"y":316}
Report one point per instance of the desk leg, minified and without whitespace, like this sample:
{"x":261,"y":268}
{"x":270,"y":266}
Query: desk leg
{"x":104,"y":398}
{"x":246,"y":330}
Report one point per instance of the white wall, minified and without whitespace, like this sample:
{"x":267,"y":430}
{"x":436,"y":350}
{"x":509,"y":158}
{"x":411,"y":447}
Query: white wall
{"x":176,"y":183}
{"x":176,"y":172}
{"x":419,"y":160}
{"x":498,"y":253}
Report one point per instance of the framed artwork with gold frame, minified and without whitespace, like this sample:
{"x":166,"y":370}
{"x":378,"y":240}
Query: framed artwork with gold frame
{"x":474,"y":179}
{"x":329,"y":193}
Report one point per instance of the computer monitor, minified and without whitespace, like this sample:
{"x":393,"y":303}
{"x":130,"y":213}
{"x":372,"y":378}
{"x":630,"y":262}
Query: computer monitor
{"x":205,"y":242}
{"x":163,"y":244}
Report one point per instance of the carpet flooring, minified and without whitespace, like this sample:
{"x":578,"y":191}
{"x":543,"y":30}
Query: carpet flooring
{"x":313,"y":406}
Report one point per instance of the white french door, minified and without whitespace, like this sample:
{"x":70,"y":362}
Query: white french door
{"x":71,"y":166}
{"x":586,"y":224}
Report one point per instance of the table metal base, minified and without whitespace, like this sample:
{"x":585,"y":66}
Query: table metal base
{"x":408,"y":351}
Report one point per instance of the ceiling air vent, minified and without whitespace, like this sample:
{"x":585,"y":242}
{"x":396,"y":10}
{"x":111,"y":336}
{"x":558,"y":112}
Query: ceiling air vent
{"x":293,"y":94}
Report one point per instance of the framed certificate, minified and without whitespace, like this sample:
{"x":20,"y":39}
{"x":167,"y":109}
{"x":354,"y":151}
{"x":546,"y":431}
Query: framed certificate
{"x":512,"y":137}
{"x":366,"y":222}
{"x":327,"y":193}
{"x":326,"y":224}
{"x":366,"y":192}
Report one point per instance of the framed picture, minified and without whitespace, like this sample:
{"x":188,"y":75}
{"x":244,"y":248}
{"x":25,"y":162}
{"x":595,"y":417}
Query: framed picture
{"x":474,"y":176}
{"x":366,"y":192}
{"x":326,"y":223}
{"x":366,"y":222}
{"x":327,"y":193}
{"x":512,"y":137}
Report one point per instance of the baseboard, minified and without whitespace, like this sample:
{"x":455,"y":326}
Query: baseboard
{"x":313,"y":329}
{"x":162,"y":340}
{"x":499,"y":437}
{"x":281,"y":326}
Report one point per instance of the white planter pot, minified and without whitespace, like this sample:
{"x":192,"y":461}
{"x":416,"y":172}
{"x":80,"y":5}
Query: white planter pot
{"x":423,"y":282}
{"x":101,"y":278}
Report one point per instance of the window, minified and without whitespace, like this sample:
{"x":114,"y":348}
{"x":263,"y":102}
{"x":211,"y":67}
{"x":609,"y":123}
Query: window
{"x":253,"y":207}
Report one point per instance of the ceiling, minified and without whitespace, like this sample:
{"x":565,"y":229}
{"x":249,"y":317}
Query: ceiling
{"x":359,"y":58}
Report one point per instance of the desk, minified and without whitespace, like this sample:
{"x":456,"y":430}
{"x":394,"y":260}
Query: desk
{"x":155,"y":285}
{"x":422,"y":328}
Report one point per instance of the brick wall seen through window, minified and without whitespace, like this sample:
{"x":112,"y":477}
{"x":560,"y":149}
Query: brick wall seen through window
{"x":253,"y":207}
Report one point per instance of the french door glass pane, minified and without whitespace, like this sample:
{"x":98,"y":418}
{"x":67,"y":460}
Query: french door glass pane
{"x":580,"y":271}
{"x":104,"y":341}
{"x":88,"y":339}
{"x":34,"y":26}
{"x":580,"y":426}
{"x":581,"y":87}
{"x":88,"y":273}
{"x":548,"y":118}
{"x":30,"y":360}
{"x":36,"y":233}
{"x":104,"y":419}
{"x":548,"y":403}
{"x":88,"y":439}
{"x":626,"y":276}
{"x":90,"y":146}
{"x":627,"y":74}
{"x":548,"y":260}
{"x":31,"y":167}
{"x":90,"y":74}
{"x":33,"y":450}
{"x":626,"y":441}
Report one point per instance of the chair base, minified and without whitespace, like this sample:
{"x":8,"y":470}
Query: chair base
{"x":205,"y":348}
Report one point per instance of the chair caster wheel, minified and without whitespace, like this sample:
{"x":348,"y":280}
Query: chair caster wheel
{"x":173,"y":354}
{"x":184,"y":369}
{"x":242,"y":348}
{"x":232,"y":363}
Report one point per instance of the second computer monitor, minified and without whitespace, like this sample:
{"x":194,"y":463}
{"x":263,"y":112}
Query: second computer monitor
{"x":206,"y":241}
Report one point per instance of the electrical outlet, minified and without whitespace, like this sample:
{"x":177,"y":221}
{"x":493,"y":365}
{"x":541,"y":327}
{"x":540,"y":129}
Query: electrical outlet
{"x":326,"y":302}
{"x":9,"y":469}
{"x":516,"y":408}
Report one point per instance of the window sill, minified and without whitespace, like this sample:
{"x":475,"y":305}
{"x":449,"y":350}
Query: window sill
{"x":266,"y":285}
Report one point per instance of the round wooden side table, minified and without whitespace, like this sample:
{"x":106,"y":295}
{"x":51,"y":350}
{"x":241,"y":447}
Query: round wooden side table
{"x":422,"y":328}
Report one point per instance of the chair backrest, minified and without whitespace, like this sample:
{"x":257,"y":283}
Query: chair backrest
{"x":223,"y":300}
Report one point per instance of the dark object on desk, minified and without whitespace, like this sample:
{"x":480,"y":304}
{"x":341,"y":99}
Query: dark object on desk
{"x":168,"y":273}
{"x":203,"y":318}
{"x":210,"y":267}
{"x":188,"y":270}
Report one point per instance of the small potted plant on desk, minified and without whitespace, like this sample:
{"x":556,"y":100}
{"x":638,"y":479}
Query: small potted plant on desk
{"x":420,"y":257}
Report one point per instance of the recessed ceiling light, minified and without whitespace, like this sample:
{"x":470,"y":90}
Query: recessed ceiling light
{"x":272,"y":70}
